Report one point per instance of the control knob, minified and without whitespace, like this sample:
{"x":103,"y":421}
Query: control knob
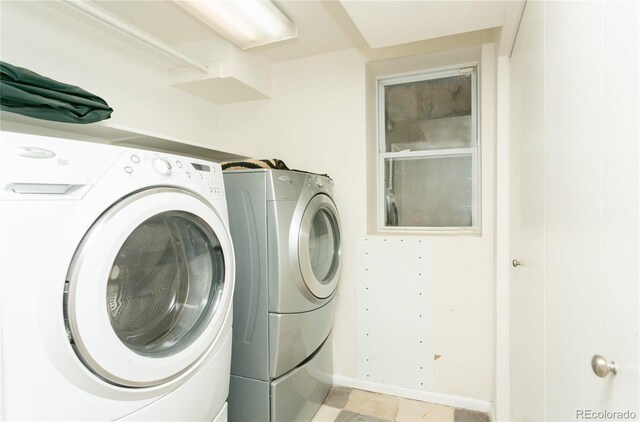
{"x":162,"y":166}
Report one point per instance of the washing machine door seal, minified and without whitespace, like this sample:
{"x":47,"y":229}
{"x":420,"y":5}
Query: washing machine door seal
{"x":319,"y":246}
{"x":149,"y":288}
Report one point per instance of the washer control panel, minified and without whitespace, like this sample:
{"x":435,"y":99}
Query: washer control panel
{"x":162,"y":166}
{"x":34,"y":167}
{"x":203,"y":176}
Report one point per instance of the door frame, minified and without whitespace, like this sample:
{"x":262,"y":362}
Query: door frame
{"x":502,"y":386}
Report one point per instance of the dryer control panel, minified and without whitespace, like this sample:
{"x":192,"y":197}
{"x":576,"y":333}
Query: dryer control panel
{"x":289,"y":185}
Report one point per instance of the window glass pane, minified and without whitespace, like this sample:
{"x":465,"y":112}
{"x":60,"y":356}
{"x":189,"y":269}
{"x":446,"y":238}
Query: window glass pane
{"x":323,"y":246}
{"x":165,"y":284}
{"x":429,"y":191}
{"x":426,"y":115}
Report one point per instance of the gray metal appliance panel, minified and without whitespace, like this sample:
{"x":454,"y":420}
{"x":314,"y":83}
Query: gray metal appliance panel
{"x":281,"y":185}
{"x":294,"y":337}
{"x":298,"y":395}
{"x":248,"y":400}
{"x":246,"y":199}
{"x":285,"y":185}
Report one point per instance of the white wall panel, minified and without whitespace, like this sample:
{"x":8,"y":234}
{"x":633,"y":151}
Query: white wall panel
{"x":394,"y":291}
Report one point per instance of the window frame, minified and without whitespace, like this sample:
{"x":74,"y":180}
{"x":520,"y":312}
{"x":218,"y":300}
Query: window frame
{"x":474,"y":152}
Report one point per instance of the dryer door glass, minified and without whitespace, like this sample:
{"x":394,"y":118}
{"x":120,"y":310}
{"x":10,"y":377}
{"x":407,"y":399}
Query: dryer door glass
{"x":165,"y":284}
{"x":322,"y":246}
{"x":319,"y":246}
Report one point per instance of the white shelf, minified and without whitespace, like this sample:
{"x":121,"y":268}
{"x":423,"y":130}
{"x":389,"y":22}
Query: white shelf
{"x":107,"y":132}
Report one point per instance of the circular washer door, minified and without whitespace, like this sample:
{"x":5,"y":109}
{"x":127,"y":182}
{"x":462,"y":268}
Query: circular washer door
{"x":149,"y":288}
{"x":319,"y":246}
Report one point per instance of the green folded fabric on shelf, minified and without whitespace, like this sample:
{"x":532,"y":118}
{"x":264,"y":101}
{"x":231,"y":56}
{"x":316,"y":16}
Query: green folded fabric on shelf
{"x":30,"y":94}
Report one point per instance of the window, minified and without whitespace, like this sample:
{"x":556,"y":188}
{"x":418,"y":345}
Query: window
{"x":428,"y":151}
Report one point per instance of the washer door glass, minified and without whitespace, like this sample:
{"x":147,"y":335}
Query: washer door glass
{"x":323,"y":247}
{"x":149,"y":288}
{"x":165,"y":284}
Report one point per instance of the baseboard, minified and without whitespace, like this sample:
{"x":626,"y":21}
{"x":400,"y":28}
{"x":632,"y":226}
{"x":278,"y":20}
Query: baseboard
{"x":409,"y":393}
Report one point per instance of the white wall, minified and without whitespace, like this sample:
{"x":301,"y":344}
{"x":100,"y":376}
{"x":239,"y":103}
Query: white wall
{"x":316,"y":121}
{"x":58,"y":42}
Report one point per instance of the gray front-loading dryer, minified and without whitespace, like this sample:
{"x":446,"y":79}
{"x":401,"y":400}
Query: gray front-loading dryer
{"x":286,"y":233}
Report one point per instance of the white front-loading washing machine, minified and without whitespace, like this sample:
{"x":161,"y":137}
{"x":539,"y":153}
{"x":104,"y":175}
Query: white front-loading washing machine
{"x":117,"y":273}
{"x":286,"y":232}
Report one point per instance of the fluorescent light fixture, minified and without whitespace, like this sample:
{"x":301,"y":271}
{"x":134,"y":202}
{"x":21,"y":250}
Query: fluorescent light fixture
{"x":246,"y":23}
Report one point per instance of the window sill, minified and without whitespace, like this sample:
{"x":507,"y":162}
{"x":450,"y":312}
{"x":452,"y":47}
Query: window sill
{"x":410,"y":231}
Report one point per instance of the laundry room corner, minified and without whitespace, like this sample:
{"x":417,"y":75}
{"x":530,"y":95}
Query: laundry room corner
{"x":317,"y":120}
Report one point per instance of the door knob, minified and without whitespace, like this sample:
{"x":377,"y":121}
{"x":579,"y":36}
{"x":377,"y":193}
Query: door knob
{"x":602,"y":367}
{"x":516,"y":263}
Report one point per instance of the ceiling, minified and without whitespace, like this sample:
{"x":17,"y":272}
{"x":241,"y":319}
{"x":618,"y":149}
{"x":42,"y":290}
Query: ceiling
{"x":220,"y":72}
{"x":388,"y":23}
{"x":378,"y":28}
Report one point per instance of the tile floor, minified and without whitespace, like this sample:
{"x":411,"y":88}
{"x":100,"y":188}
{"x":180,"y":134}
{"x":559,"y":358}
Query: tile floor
{"x":350,"y":405}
